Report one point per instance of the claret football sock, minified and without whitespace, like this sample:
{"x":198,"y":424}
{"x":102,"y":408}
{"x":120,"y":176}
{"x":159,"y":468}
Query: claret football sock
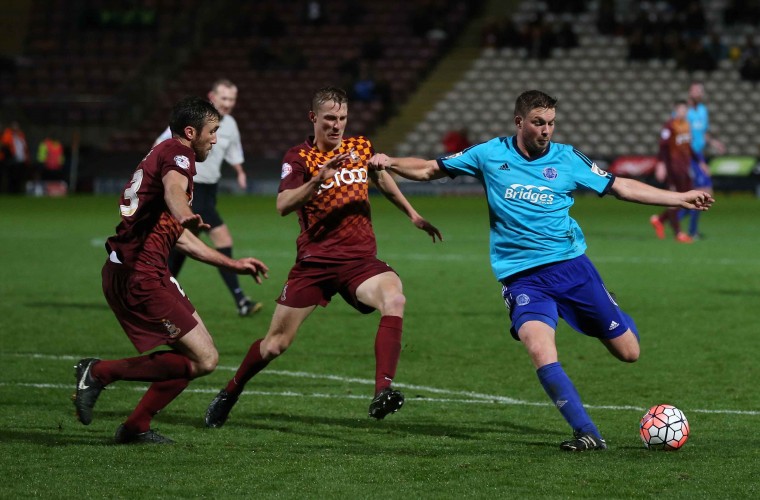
{"x":157,"y":366}
{"x":252,"y":364}
{"x":675,"y":222}
{"x":562,"y":392}
{"x":387,"y":351}
{"x":159,"y":395}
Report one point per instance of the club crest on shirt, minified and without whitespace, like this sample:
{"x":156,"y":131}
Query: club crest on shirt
{"x":550,"y":173}
{"x":286,"y":170}
{"x":171,"y":328}
{"x":182,"y":162}
{"x":598,"y":171}
{"x":354,"y":156}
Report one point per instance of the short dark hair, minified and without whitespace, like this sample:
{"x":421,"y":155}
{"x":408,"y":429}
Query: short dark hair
{"x":531,"y":100}
{"x":192,"y":111}
{"x":326,"y":94}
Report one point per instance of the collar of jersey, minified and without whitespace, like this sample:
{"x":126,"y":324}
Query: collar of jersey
{"x":546,"y":151}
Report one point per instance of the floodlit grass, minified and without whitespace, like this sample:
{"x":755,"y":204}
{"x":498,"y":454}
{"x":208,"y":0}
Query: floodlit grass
{"x":476,"y":422}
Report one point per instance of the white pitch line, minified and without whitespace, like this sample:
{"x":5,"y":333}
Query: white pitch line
{"x":142,"y":388}
{"x":472,"y":397}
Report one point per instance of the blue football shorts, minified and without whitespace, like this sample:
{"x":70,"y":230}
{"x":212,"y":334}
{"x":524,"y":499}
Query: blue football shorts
{"x":571,"y":290}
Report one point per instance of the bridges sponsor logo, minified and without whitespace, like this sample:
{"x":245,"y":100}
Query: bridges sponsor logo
{"x":540,"y":195}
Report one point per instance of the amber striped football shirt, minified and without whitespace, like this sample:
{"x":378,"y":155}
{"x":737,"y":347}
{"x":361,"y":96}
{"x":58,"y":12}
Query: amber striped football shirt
{"x":336,"y":223}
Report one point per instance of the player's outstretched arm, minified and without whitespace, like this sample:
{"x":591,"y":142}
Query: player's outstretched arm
{"x":293,"y":199}
{"x":416,"y":169}
{"x":194,"y":247}
{"x":386,"y":185}
{"x":633,"y":190}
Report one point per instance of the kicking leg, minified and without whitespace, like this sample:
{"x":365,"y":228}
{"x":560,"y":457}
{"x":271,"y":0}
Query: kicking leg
{"x":538,"y":338}
{"x":197,"y":348}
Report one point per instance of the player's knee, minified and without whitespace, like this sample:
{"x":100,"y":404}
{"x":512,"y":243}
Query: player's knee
{"x":393,"y":305}
{"x":630,"y":354}
{"x":206,"y":364}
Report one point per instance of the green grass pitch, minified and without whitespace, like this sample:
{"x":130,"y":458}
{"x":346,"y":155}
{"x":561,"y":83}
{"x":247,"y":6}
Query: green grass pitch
{"x":476,"y":423}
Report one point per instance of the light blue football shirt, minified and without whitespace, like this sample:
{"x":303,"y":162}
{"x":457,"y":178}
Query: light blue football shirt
{"x":529,"y":200}
{"x":699,"y":122}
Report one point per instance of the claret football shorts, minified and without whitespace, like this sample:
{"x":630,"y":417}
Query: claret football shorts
{"x":152,"y":310}
{"x":313,"y":283}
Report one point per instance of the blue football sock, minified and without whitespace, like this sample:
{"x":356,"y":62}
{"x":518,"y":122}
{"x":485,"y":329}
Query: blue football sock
{"x":562,"y":392}
{"x":694,"y":222}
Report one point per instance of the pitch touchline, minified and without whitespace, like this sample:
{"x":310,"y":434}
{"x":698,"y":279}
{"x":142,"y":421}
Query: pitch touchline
{"x":472,"y":397}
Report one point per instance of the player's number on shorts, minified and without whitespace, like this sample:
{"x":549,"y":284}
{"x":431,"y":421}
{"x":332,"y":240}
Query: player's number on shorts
{"x":130,"y":195}
{"x":176,"y":283}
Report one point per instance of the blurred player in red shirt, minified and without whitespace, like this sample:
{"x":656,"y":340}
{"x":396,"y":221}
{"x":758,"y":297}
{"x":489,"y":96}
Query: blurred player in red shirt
{"x":674,"y":168}
{"x":147,"y":300}
{"x":455,"y":141}
{"x":325,"y":180}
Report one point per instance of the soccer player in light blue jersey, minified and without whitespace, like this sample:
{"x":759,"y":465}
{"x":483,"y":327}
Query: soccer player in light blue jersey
{"x":699,"y":123}
{"x":538,"y":250}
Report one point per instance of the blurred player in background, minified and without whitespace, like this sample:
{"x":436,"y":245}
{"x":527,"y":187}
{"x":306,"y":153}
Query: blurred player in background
{"x":699,"y":124}
{"x":674,"y":168}
{"x":146,"y":299}
{"x":228,"y":148}
{"x":325,"y":181}
{"x":538,"y":250}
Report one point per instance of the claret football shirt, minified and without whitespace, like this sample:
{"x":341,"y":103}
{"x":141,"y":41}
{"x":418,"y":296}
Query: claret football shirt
{"x":336,"y":223}
{"x":148,"y":231}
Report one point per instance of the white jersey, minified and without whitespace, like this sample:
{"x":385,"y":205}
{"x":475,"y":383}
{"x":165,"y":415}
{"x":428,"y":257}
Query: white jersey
{"x":228,"y":148}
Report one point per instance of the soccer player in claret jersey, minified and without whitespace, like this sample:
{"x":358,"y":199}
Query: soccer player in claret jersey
{"x":537,"y":249}
{"x":325,"y":181}
{"x":673,"y":167}
{"x":146,"y":299}
{"x":229,"y":149}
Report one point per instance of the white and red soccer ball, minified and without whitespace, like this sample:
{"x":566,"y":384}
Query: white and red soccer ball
{"x":664,"y":427}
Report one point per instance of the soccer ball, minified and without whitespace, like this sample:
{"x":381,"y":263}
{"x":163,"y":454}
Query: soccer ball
{"x":664,"y":427}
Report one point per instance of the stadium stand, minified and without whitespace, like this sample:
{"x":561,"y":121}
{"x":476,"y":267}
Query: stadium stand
{"x":278,"y":57}
{"x":111,"y":69}
{"x":608,"y":106}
